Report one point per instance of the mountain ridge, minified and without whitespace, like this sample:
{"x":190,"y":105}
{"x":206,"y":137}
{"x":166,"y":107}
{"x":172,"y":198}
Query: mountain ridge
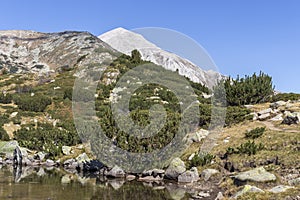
{"x":125,"y":41}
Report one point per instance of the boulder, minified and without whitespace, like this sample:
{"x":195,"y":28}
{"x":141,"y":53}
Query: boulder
{"x":277,"y":104}
{"x":116,"y":172}
{"x":280,"y":188}
{"x":198,"y":135}
{"x":290,"y":120}
{"x":220,"y":196}
{"x":266,"y":111}
{"x":82,"y":158}
{"x":66,"y":150}
{"x":264,"y":116}
{"x":150,"y":178}
{"x":248,"y":189}
{"x":93,"y":166}
{"x":295,"y":181}
{"x":277,"y":118}
{"x":175,"y":168}
{"x":41,"y":155}
{"x":189,"y":176}
{"x":66,"y":179}
{"x":154,"y":172}
{"x":13,"y":114}
{"x":256,"y":175}
{"x":207,"y":173}
{"x":50,"y":163}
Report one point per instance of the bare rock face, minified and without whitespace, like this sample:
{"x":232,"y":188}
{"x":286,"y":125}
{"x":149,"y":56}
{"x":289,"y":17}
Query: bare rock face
{"x":28,"y":51}
{"x":125,"y":41}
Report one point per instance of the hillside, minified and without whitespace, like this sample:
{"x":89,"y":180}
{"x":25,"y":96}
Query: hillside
{"x":37,"y":95}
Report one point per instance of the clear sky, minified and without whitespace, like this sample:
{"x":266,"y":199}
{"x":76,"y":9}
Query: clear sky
{"x":242,"y":37}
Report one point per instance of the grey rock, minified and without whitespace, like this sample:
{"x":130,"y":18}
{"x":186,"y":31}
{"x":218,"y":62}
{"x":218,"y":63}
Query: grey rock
{"x":220,"y":196}
{"x":198,"y":135}
{"x":50,"y":163}
{"x":207,"y":173}
{"x":175,"y":168}
{"x":153,"y":172}
{"x":247,"y":189}
{"x":290,"y":120}
{"x":256,"y":175}
{"x":264,"y":116}
{"x":130,"y":177}
{"x":189,"y":176}
{"x":66,"y":179}
{"x":266,"y":111}
{"x":277,"y":104}
{"x":277,"y":118}
{"x":41,"y":172}
{"x":83,"y":158}
{"x":66,"y":150}
{"x":41,"y":155}
{"x":295,"y":181}
{"x":116,"y":172}
{"x":150,"y":178}
{"x":280,"y":188}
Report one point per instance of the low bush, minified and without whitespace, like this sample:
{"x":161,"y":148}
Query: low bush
{"x":249,"y":148}
{"x":46,"y":138}
{"x":201,"y":159}
{"x":36,"y":103}
{"x":255,"y":133}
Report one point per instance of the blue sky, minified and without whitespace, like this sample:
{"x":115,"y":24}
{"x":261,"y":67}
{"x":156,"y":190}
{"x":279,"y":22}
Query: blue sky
{"x":242,"y":37}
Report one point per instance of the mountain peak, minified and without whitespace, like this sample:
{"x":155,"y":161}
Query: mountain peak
{"x":125,"y":41}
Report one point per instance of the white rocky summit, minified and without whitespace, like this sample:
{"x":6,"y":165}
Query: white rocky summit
{"x":125,"y":41}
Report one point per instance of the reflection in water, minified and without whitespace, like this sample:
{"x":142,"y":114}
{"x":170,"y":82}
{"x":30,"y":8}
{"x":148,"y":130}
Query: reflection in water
{"x":29,"y":183}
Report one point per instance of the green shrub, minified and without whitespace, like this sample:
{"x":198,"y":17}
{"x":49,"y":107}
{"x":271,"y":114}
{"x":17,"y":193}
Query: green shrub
{"x":249,"y":148}
{"x":248,"y":90}
{"x":36,"y":103}
{"x":201,"y":159}
{"x":46,"y":138}
{"x":3,"y":134}
{"x":255,"y":133}
{"x":5,"y":99}
{"x":285,"y":97}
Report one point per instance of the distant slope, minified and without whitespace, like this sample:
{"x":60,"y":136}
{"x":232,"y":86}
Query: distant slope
{"x":29,"y":51}
{"x":125,"y":41}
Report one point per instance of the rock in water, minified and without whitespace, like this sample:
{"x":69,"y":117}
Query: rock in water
{"x":17,"y":156}
{"x":93,"y":166}
{"x":256,"y":175}
{"x":175,"y":168}
{"x":116,"y":172}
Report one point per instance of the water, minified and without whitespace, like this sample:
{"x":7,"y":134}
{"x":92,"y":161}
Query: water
{"x":46,"y":184}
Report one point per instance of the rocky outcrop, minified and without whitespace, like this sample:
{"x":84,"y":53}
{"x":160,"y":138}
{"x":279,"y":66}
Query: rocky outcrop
{"x":29,"y":51}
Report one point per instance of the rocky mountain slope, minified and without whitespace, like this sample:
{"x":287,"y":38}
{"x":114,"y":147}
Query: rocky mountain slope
{"x":125,"y":41}
{"x":23,"y":51}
